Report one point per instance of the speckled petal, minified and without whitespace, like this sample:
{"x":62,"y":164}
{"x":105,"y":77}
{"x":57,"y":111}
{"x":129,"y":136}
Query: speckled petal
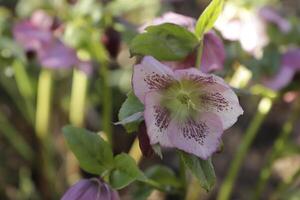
{"x":200,"y":136}
{"x":157,"y":119}
{"x":150,"y":75}
{"x":214,"y":95}
{"x":225,"y":104}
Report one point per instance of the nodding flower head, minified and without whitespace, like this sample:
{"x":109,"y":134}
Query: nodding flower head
{"x":93,"y":188}
{"x":185,"y":109}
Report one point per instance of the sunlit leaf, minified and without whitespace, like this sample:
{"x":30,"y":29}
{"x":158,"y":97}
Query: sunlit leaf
{"x":207,"y":19}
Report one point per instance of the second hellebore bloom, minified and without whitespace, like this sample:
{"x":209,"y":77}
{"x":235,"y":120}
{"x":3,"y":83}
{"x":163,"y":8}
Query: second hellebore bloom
{"x":90,"y":189}
{"x":186,"y":108}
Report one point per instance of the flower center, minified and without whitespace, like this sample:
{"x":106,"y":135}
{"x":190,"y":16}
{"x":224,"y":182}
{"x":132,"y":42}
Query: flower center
{"x":181,"y":100}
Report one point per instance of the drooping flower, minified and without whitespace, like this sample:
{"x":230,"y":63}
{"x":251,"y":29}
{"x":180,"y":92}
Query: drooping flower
{"x":290,"y":65}
{"x":90,"y":189}
{"x":186,"y":108}
{"x":37,"y":35}
{"x":213,"y":49}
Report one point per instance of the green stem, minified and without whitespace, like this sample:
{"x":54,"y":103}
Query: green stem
{"x":43,"y":104}
{"x":199,"y":55}
{"x":262,"y":111}
{"x":24,"y":87}
{"x":15,"y":138}
{"x":78,"y":97}
{"x":193,"y":189}
{"x":99,"y":52}
{"x":107,"y":102}
{"x":42,"y":128}
{"x":277,"y":148}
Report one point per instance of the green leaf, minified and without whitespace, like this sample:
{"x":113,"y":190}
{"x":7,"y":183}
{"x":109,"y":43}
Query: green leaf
{"x":93,"y":153}
{"x":130,"y":113}
{"x":163,"y":175}
{"x":164,"y":42}
{"x":126,"y":171}
{"x":202,"y":169}
{"x":207,"y":19}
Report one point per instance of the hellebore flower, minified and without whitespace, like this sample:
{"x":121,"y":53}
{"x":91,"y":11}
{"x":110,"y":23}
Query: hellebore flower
{"x":213,"y":49}
{"x":238,"y":24}
{"x":290,"y":65}
{"x":249,"y":27}
{"x":37,"y":35}
{"x":90,"y":189}
{"x":184,"y":108}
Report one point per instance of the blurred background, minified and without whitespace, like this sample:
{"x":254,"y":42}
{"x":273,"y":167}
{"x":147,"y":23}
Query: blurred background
{"x":67,"y":62}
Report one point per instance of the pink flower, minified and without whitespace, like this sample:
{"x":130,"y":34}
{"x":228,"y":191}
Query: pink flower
{"x":90,"y":189}
{"x":213,"y":49}
{"x":290,"y":65}
{"x":184,"y":109}
{"x":249,"y":27}
{"x":38,"y":36}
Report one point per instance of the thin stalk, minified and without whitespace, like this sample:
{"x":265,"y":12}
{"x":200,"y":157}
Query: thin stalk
{"x":263,"y":109}
{"x":98,"y":50}
{"x":199,"y":55}
{"x":15,"y":138}
{"x":43,"y":104}
{"x":78,"y":97}
{"x":277,"y":148}
{"x":42,"y":128}
{"x":193,"y":190}
{"x":76,"y":115}
{"x":25,"y":87}
{"x":107,"y":102}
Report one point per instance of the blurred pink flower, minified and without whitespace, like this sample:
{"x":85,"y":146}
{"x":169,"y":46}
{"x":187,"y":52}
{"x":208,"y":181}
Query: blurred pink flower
{"x":90,"y":189}
{"x":185,"y":109}
{"x":213,"y":49}
{"x":37,"y":35}
{"x":290,"y":65}
{"x":248,"y":27}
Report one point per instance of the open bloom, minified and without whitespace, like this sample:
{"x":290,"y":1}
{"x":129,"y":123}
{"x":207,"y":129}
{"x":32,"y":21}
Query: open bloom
{"x":184,"y":108}
{"x":290,"y":65}
{"x":90,"y":189}
{"x":213,"y":49}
